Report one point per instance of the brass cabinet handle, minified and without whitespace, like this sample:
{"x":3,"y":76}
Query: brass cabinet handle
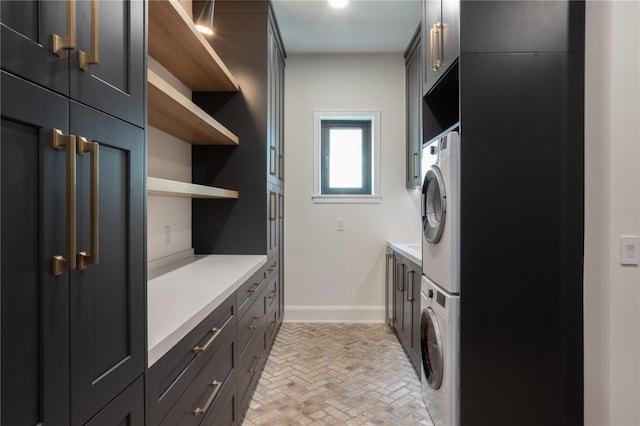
{"x":281,"y":167}
{"x":68,"y":42}
{"x":272,"y":207}
{"x":255,"y":324}
{"x":254,"y":288}
{"x":255,"y":368}
{"x":60,"y":141}
{"x":86,"y":59}
{"x":272,"y":294}
{"x":281,"y":205}
{"x":93,"y":148}
{"x":215,"y":331}
{"x":431,"y":48}
{"x":410,"y":286}
{"x":216,"y":388}
{"x":436,"y":30}
{"x":272,"y":161}
{"x":272,"y":267}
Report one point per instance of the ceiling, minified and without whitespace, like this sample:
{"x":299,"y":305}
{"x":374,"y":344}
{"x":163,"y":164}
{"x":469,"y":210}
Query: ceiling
{"x":363,"y":26}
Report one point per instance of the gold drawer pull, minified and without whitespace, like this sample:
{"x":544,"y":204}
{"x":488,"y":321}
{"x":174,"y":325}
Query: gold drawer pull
{"x":216,"y":388}
{"x":215,"y":331}
{"x":68,"y":142}
{"x":254,"y":369}
{"x":68,"y":42}
{"x":255,"y":324}
{"x":254,"y":288}
{"x":273,"y":294}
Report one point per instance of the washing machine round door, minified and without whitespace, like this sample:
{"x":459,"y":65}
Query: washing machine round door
{"x":431,"y":348}
{"x":434,"y":205}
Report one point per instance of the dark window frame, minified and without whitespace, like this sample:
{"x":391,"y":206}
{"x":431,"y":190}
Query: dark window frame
{"x":367,"y":158}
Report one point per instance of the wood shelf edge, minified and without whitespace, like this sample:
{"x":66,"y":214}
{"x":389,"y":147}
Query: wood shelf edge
{"x":173,"y":188}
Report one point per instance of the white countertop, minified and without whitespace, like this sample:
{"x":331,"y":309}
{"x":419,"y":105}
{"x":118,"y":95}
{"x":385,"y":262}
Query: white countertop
{"x":181,"y":298}
{"x":413,"y":251}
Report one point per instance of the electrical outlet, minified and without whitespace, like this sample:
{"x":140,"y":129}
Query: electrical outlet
{"x":340,"y":224}
{"x":629,"y":250}
{"x":167,"y":235}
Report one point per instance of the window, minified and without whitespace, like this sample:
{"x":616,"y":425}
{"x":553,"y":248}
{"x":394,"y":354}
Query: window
{"x":346,"y":157}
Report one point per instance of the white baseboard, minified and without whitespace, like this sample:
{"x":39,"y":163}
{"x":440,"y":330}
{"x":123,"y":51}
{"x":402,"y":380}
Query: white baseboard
{"x":334,"y":314}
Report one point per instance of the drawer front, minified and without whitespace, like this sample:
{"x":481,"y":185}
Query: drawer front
{"x":250,"y":363}
{"x":208,"y":391}
{"x":273,"y":293}
{"x":272,"y":267}
{"x":272,"y":325}
{"x":171,"y":375}
{"x":249,"y":291}
{"x":224,"y":413}
{"x":251,"y":321}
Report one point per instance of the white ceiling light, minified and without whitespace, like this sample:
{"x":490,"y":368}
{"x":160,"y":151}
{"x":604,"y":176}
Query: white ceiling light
{"x":338,"y":4}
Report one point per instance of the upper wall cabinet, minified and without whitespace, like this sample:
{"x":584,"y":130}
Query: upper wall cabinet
{"x":413,"y":72}
{"x":88,"y":50}
{"x":440,"y":37}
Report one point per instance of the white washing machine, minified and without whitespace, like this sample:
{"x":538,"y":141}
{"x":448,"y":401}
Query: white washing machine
{"x":441,"y":211}
{"x":440,"y":354}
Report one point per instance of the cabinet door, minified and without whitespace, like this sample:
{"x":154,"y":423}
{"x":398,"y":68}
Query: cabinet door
{"x":431,"y":19}
{"x":398,"y":294}
{"x":272,"y":99}
{"x":107,"y":314}
{"x":414,"y":114}
{"x":409,"y":299}
{"x":127,"y":409}
{"x":26,"y":37}
{"x":273,"y":232}
{"x":281,"y":254}
{"x":35,"y":304}
{"x":416,"y":314}
{"x":280,"y":114}
{"x":116,"y":83}
{"x":450,"y":34}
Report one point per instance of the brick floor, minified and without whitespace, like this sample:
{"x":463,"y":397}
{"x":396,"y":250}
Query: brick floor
{"x":337,"y":374}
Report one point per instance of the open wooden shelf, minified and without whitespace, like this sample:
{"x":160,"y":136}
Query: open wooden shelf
{"x":172,"y":188}
{"x":175,"y":42}
{"x":174,"y":113}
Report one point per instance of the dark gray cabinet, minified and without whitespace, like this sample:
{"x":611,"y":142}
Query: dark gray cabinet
{"x":109,"y":35}
{"x":73,"y":201}
{"x":84,"y":325}
{"x":413,"y":79}
{"x":440,"y":39}
{"x":275,"y":113}
{"x":406,"y":306}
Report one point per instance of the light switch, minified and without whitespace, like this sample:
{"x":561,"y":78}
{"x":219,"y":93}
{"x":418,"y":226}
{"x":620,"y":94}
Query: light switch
{"x":629,"y":250}
{"x":340,"y":224}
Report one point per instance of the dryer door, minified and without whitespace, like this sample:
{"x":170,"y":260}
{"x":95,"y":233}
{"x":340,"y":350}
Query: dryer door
{"x":431,"y":349}
{"x":434,"y":205}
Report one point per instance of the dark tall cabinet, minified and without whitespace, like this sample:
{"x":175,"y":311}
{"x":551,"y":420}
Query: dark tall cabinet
{"x":72,"y":188}
{"x":517,"y":92}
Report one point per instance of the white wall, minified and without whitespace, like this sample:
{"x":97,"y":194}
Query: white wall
{"x":331,"y":275}
{"x":612,"y":168}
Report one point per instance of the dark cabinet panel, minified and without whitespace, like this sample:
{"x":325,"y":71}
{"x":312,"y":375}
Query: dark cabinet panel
{"x":107,"y":320}
{"x":116,"y":83}
{"x":26,"y":42}
{"x":398,"y":294}
{"x":521,"y":26}
{"x":413,"y":71}
{"x":35,"y":304}
{"x":440,"y":39}
{"x":406,"y":306}
{"x":127,"y":409}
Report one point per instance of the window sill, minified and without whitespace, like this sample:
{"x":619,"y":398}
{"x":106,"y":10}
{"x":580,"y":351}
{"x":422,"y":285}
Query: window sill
{"x":345,"y":199}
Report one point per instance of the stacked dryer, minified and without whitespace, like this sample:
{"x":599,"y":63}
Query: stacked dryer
{"x":440,"y":295}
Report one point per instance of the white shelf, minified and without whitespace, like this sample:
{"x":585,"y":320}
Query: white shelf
{"x":172,"y":188}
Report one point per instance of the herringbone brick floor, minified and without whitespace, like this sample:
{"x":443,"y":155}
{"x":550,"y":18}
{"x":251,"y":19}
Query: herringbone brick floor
{"x":337,"y":374}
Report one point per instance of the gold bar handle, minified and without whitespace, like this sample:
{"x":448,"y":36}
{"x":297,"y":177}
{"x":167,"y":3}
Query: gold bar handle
{"x":272,"y":207}
{"x":255,"y":324}
{"x":216,"y":388}
{"x":431,"y":48}
{"x":60,"y":141}
{"x":438,"y":44}
{"x":86,"y":59}
{"x":272,"y":294}
{"x":60,"y":44}
{"x":254,"y":369}
{"x":254,"y":288}
{"x":84,"y":259}
{"x":215,"y":331}
{"x":272,"y":161}
{"x":281,"y":206}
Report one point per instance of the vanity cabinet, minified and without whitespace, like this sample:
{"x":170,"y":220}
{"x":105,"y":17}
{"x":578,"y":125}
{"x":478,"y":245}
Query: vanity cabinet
{"x":413,"y":81}
{"x":440,"y":38}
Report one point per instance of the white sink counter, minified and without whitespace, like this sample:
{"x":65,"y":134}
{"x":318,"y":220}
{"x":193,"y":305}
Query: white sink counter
{"x":182,"y":297}
{"x":413,"y":251}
